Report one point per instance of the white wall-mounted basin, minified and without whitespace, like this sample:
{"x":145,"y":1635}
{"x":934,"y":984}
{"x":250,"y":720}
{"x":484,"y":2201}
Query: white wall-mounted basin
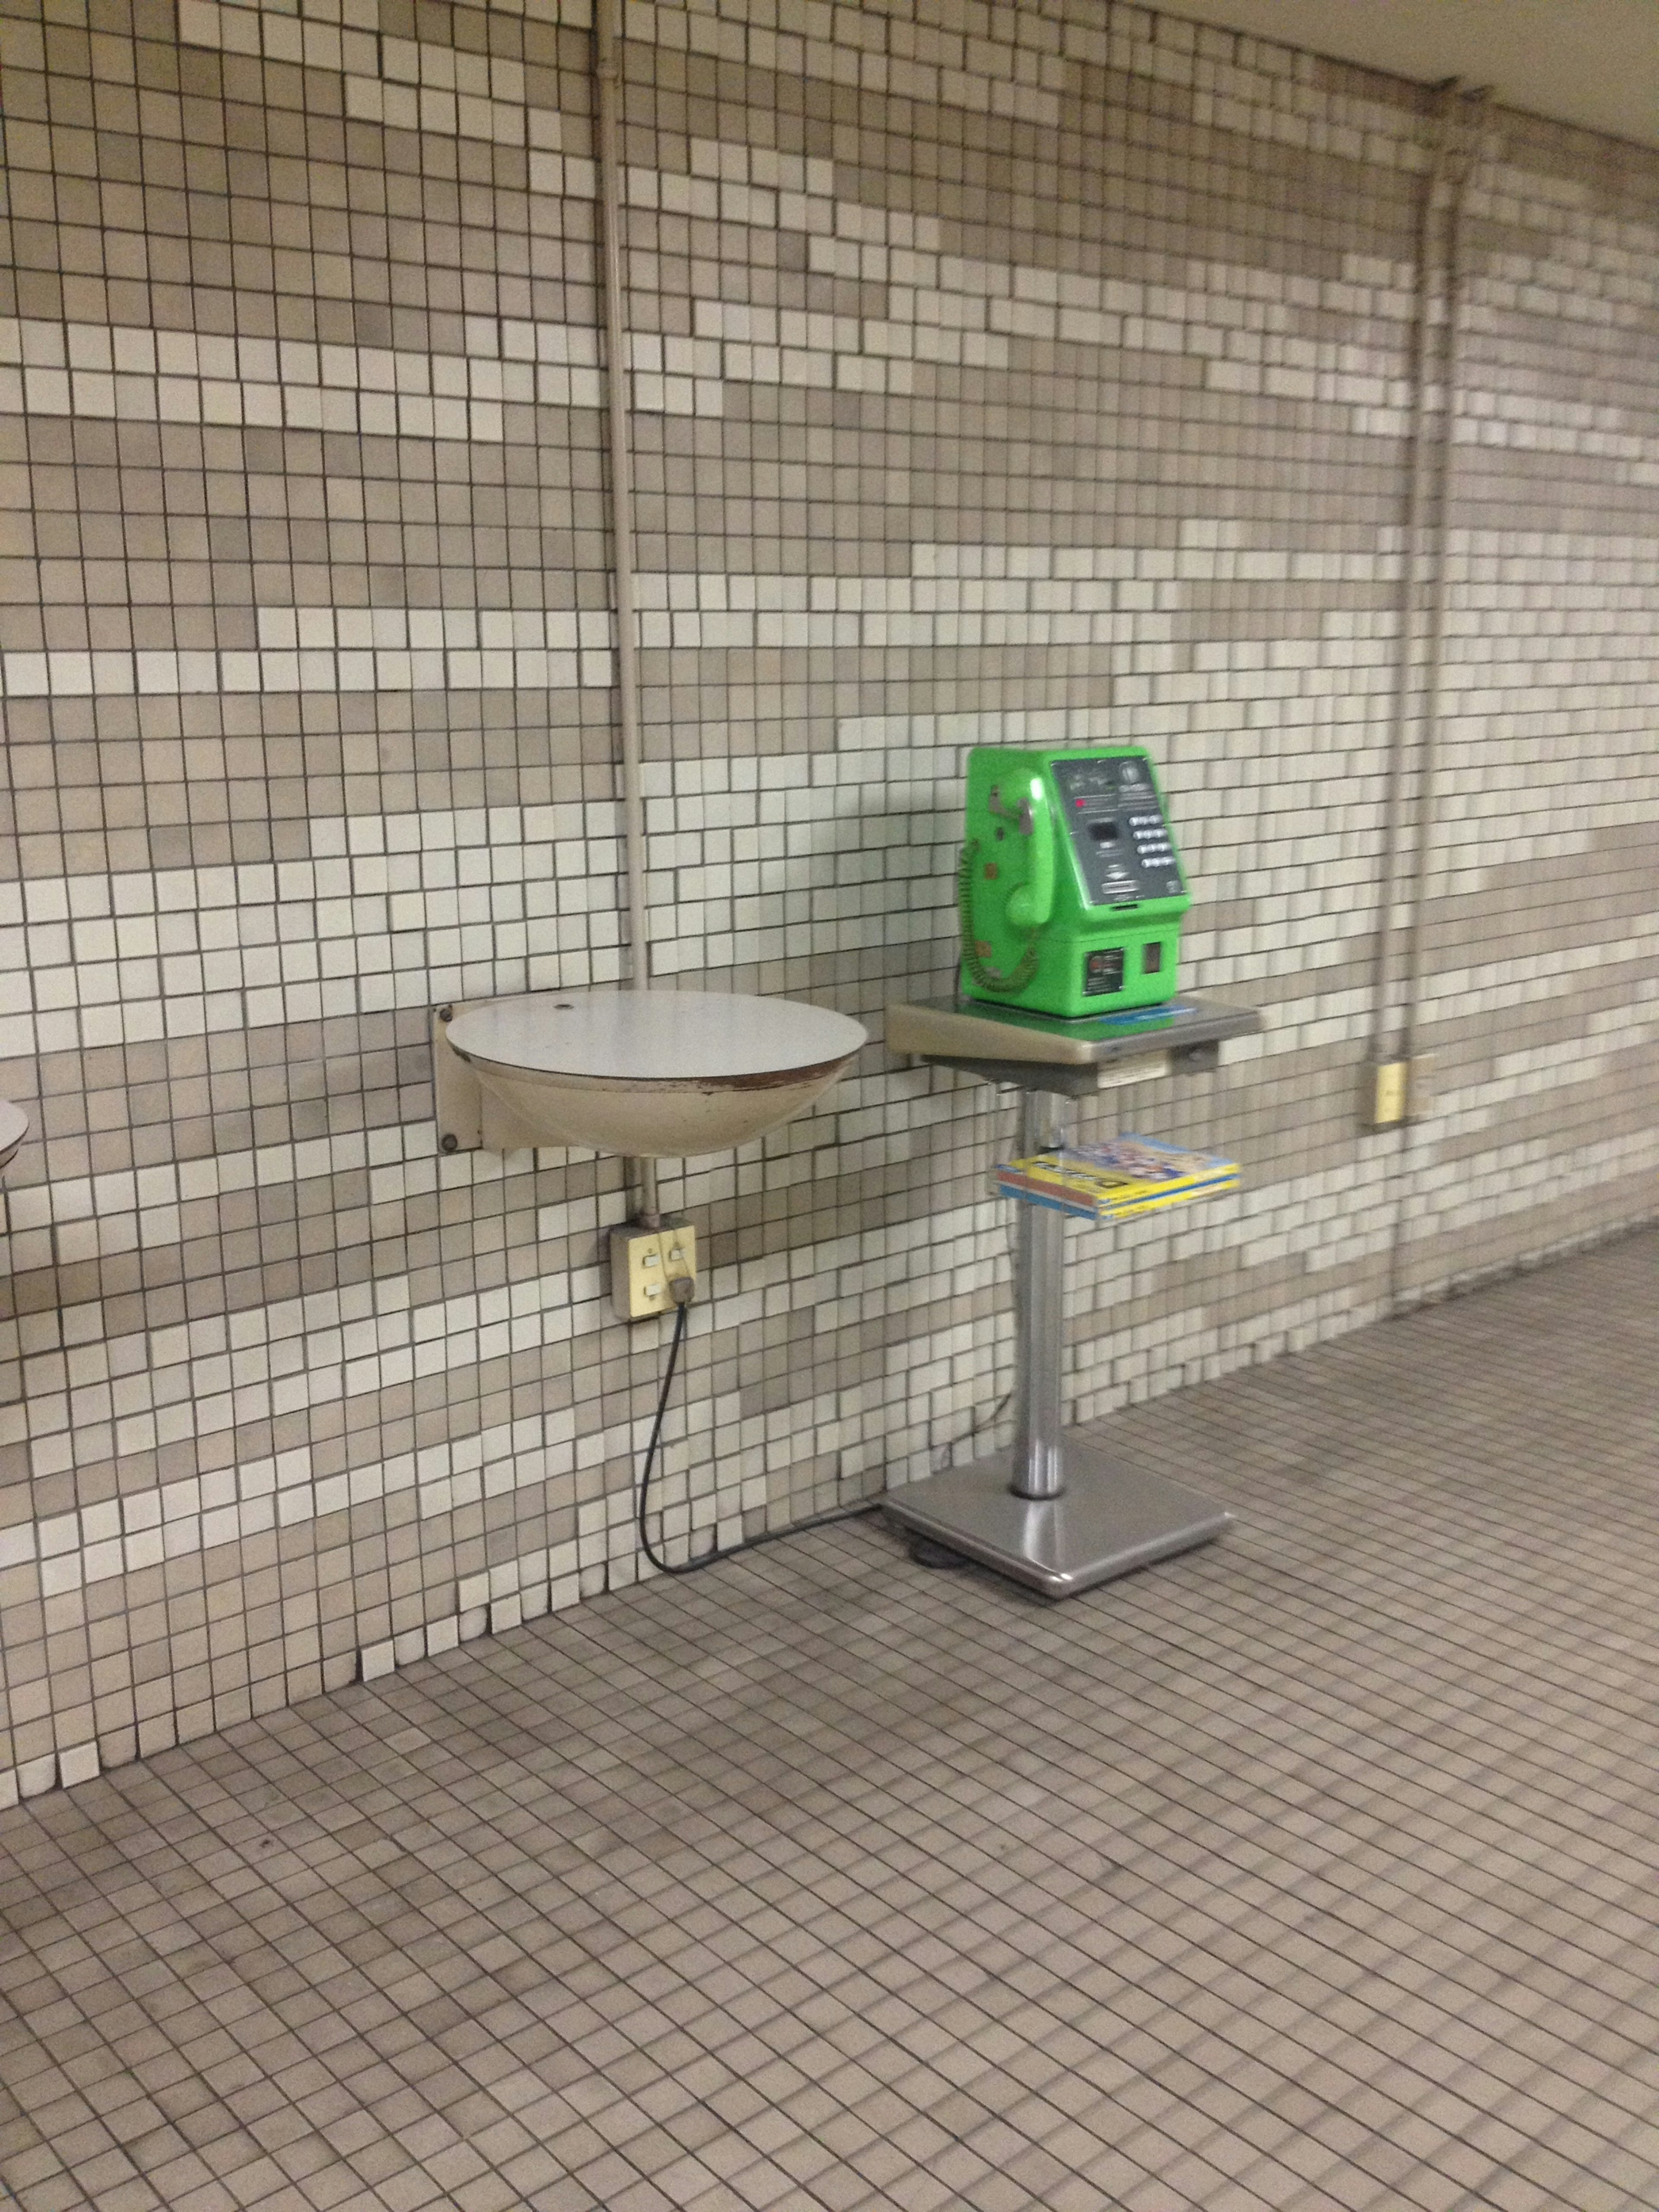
{"x":14,"y":1128}
{"x":650,"y":1074}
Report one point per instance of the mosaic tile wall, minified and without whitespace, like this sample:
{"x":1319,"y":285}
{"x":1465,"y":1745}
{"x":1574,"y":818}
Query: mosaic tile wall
{"x":1031,"y":373}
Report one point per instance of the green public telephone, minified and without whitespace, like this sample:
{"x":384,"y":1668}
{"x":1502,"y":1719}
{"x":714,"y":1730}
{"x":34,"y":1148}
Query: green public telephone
{"x":1070,"y":889}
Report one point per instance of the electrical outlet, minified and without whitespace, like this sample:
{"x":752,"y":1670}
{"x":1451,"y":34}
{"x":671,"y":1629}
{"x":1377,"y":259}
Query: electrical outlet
{"x":645,"y":1261}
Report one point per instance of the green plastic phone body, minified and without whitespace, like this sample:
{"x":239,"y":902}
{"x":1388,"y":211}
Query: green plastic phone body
{"x":1070,"y":891}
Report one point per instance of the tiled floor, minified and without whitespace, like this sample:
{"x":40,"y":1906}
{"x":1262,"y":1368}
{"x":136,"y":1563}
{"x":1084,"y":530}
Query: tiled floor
{"x":1318,"y":1868}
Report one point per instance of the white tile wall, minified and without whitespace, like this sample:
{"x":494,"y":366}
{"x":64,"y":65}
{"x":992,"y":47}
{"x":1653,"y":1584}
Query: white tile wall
{"x":1271,"y":733}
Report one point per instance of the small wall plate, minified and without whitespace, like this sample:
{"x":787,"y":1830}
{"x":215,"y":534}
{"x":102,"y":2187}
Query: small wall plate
{"x":644,"y":1261}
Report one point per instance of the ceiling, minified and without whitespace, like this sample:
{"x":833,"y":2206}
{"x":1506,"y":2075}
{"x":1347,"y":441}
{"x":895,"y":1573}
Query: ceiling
{"x":1591,"y":62}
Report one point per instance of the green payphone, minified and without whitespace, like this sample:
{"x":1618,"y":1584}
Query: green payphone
{"x":1070,"y":889}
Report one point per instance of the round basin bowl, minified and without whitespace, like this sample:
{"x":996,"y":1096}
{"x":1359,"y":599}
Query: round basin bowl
{"x":653,"y":1074}
{"x":14,"y":1128}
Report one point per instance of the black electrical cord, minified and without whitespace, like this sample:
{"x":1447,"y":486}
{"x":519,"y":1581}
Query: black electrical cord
{"x":750,"y":1543}
{"x":980,"y":1421}
{"x":973,"y":958}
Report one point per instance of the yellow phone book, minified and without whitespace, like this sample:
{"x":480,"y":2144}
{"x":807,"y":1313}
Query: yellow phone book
{"x":1117,"y":1180}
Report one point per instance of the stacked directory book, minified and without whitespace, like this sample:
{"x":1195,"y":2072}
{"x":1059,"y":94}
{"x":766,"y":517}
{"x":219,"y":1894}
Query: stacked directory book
{"x":1118,"y":1179}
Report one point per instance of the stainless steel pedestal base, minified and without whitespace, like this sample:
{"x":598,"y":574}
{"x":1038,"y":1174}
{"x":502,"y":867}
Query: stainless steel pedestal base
{"x":1083,"y":1519}
{"x":1108,"y":1521}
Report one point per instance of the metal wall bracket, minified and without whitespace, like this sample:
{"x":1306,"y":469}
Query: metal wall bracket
{"x":469,"y":1119}
{"x":1195,"y":1059}
{"x":457,"y":1093}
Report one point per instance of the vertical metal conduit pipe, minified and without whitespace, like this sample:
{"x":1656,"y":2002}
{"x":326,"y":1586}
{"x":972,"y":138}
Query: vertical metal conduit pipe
{"x":1463,"y":122}
{"x":1468,"y":131}
{"x":608,"y":91}
{"x":1384,"y":1033}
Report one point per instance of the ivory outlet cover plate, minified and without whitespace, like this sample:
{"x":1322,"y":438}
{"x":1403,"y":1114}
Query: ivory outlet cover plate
{"x":1387,"y":1098}
{"x":645,"y":1261}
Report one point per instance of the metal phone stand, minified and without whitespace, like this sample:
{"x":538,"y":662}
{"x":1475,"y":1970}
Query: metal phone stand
{"x":1059,"y":1512}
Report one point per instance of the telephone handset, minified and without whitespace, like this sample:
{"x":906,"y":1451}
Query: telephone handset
{"x":1032,"y":902}
{"x":1029,"y":904}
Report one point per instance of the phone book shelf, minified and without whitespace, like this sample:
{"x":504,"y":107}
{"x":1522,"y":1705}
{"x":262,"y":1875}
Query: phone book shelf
{"x":1059,"y":1512}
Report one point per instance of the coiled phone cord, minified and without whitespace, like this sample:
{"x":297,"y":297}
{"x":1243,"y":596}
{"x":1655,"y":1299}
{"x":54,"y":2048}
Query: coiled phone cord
{"x":973,"y":959}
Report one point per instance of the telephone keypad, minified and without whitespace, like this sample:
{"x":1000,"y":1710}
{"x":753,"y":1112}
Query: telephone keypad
{"x":1123,"y":849}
